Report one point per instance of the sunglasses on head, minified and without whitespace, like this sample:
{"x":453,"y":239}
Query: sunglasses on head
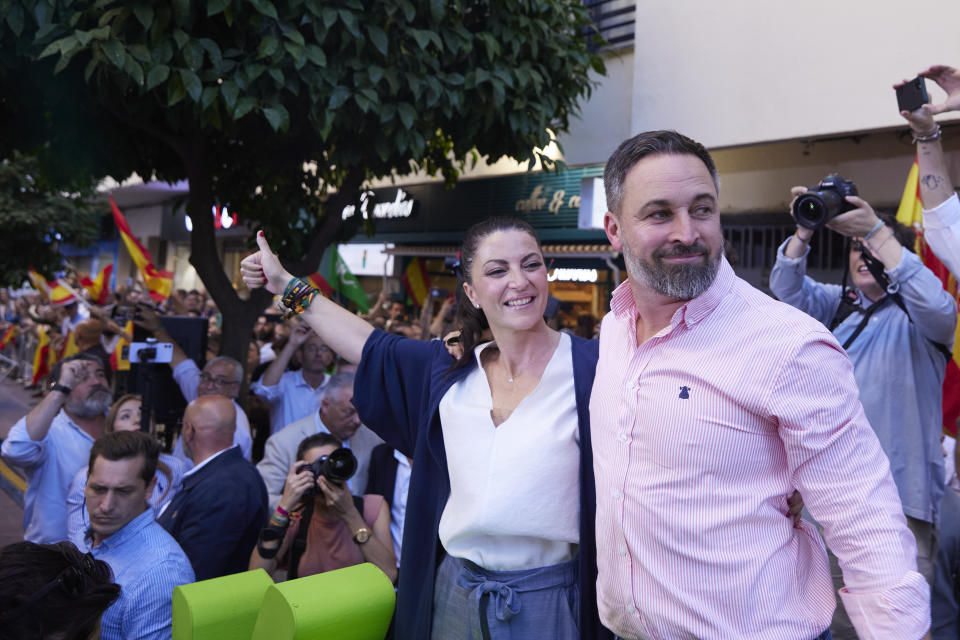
{"x":73,"y":580}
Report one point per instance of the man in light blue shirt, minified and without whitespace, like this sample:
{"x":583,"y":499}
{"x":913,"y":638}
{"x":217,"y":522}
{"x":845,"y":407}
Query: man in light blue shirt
{"x":147,"y":562}
{"x":294,"y":395}
{"x":52,"y":443}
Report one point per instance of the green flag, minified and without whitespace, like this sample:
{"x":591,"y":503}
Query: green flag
{"x":345,"y":283}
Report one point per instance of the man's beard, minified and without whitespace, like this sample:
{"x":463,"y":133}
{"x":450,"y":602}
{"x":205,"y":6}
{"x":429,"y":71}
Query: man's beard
{"x":96,"y":403}
{"x":680,"y":281}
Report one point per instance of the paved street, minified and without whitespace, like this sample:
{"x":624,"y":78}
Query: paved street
{"x":15,"y":402}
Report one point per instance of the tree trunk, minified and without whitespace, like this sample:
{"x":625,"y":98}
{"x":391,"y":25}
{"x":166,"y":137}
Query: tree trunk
{"x":239,"y":316}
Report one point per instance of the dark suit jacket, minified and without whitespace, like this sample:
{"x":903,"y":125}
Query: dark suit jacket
{"x":217,"y":515}
{"x":382,"y":475}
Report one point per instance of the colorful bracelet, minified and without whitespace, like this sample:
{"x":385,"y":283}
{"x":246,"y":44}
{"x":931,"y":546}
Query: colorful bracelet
{"x":296,"y":298}
{"x":298,"y":295}
{"x":283,"y":512}
{"x":876,"y":228}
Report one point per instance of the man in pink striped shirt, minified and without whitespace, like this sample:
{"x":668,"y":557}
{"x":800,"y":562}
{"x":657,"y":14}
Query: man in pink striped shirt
{"x":712,"y":403}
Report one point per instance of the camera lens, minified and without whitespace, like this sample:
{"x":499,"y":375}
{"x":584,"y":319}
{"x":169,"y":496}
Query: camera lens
{"x":340,"y":466}
{"x":814,"y":208}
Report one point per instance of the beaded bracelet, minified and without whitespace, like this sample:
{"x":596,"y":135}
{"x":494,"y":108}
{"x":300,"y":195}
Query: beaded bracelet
{"x":296,"y":297}
{"x":930,"y":137}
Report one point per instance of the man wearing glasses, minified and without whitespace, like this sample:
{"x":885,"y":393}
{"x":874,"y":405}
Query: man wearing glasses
{"x":220,"y":377}
{"x":293,"y":395}
{"x":897,"y":325}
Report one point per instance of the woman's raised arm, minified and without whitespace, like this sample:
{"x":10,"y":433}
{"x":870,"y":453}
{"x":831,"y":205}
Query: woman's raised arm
{"x":341,"y":330}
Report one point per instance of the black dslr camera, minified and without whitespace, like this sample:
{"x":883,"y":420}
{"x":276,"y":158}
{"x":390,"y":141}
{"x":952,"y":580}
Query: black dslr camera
{"x":823,"y":202}
{"x":337,"y":467}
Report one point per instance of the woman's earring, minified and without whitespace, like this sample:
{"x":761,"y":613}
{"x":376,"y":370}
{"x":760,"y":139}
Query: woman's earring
{"x":476,"y":306}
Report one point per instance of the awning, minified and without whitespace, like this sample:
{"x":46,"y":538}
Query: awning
{"x":599,"y":251}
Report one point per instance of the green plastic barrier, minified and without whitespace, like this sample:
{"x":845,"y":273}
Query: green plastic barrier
{"x":220,"y":608}
{"x":355,"y":603}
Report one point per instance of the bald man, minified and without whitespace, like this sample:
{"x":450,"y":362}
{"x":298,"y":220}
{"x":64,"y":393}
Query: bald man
{"x":217,"y":515}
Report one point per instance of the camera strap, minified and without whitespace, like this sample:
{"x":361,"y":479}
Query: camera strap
{"x":893,"y":293}
{"x":299,"y":545}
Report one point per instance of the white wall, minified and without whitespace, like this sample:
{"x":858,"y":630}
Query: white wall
{"x":739,"y":72}
{"x":604,"y":120}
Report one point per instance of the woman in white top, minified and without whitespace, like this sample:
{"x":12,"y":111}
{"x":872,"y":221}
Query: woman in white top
{"x":499,"y":526}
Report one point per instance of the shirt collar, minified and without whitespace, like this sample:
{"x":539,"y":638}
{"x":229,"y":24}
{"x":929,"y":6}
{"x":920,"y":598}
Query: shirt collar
{"x":207,"y":461}
{"x":125,"y":533}
{"x":69,"y":421}
{"x":625,"y":309}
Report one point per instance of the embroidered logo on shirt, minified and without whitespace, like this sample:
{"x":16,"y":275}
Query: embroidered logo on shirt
{"x":684,"y":393}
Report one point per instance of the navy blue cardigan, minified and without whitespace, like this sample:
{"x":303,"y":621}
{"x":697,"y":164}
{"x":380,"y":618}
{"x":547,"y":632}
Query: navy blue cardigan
{"x":397,"y":392}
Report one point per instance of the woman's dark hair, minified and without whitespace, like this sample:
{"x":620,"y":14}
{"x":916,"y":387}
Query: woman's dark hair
{"x":471,"y":320}
{"x":317,"y":440}
{"x":52,"y":591}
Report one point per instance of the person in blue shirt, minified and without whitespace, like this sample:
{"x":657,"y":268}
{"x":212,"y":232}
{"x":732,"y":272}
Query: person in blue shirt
{"x":124,"y":415}
{"x":499,"y":536}
{"x":898,"y":336}
{"x":147,"y":562}
{"x":52,"y":442}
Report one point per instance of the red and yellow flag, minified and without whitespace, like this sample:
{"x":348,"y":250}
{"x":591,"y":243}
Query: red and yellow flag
{"x":910,"y":213}
{"x":8,"y":336}
{"x":117,"y":361}
{"x":41,"y":356}
{"x":416,"y":281}
{"x":56,"y":292}
{"x":100,"y":287}
{"x":160,"y":283}
{"x":69,"y":346}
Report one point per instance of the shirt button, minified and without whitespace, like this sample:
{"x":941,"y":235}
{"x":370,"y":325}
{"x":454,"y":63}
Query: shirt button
{"x":616,"y":494}
{"x":622,"y":437}
{"x":623,"y":551}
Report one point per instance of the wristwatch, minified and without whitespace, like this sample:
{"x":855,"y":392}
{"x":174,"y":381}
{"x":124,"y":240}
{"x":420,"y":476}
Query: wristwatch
{"x":361,"y":535}
{"x":62,"y":388}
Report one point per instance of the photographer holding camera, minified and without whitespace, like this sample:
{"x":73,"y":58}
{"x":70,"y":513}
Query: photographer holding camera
{"x":343,"y":530}
{"x":896,"y":324}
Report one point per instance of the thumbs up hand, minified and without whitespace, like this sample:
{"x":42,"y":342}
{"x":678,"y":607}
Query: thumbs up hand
{"x":263,"y":268}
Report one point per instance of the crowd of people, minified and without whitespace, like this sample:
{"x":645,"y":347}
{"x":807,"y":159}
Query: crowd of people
{"x":639,"y":479}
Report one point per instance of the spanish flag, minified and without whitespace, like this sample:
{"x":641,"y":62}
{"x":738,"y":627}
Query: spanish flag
{"x":56,"y":293}
{"x":416,"y":281}
{"x":117,"y":360}
{"x":910,"y":213}
{"x":160,"y":283}
{"x":41,"y":356}
{"x":8,"y":336}
{"x":69,"y":345}
{"x":100,"y":288}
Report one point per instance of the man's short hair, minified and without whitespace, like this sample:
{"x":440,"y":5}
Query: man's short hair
{"x":316,"y":440}
{"x":649,"y":143}
{"x":120,"y":445}
{"x":237,"y":367}
{"x":337,"y":383}
{"x":58,"y":366}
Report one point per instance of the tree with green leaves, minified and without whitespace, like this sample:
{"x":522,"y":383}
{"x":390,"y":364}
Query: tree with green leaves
{"x":282,"y":109}
{"x":36,"y":219}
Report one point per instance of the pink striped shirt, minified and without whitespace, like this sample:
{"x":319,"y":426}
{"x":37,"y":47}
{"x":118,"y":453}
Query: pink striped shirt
{"x":699,"y":436}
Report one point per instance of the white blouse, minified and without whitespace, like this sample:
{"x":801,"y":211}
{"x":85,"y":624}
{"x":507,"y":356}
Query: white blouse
{"x":515,"y":488}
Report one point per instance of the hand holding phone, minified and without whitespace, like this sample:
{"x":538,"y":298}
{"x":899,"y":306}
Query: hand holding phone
{"x":912,"y":95}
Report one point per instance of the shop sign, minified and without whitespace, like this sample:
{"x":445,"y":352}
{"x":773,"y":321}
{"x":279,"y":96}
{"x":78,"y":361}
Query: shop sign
{"x":400,"y":207}
{"x":572,"y":275}
{"x":539,"y":197}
